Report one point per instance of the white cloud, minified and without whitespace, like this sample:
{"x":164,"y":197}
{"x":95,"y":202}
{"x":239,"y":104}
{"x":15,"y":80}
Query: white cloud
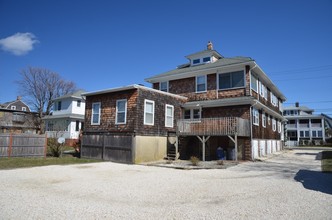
{"x":19,"y":43}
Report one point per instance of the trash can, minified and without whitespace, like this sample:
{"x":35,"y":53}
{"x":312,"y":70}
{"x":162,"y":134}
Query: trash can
{"x":326,"y":161}
{"x":220,"y":153}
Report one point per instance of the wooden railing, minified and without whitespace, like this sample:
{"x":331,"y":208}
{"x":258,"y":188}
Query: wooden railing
{"x":214,"y":126}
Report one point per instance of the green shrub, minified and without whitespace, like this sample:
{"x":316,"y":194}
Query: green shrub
{"x":194,"y":160}
{"x":54,"y":149}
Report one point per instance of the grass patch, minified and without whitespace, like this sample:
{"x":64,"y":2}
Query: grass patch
{"x":23,"y":162}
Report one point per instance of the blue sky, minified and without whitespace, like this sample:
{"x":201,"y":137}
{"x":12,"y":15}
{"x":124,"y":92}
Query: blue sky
{"x":103,"y":44}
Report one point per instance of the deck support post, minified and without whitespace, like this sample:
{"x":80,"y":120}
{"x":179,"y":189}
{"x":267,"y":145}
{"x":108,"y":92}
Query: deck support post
{"x":177,"y":155}
{"x":235,"y":143}
{"x":204,"y":139}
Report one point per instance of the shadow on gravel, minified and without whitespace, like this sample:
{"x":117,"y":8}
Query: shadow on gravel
{"x":315,"y":180}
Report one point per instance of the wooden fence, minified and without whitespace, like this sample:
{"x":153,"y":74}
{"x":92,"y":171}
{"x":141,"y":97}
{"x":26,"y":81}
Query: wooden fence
{"x":22,"y":145}
{"x":113,"y":147}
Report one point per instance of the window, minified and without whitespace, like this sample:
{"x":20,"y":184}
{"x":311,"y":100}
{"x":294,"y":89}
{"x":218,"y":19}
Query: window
{"x":78,"y":103}
{"x":163,"y":86}
{"x":255,"y":115}
{"x":187,"y":114}
{"x":19,"y":117}
{"x":121,"y":111}
{"x":264,"y":120}
{"x":192,"y":114}
{"x":269,"y":119}
{"x":274,"y":124}
{"x":13,"y":107}
{"x":274,"y":99}
{"x":196,"y":61}
{"x":59,"y":105}
{"x":148,"y":112}
{"x":254,"y":83}
{"x":206,"y":59}
{"x":317,"y":134}
{"x":231,"y":80}
{"x":262,"y":90}
{"x":279,"y":127}
{"x":304,"y":134}
{"x":95,"y":116}
{"x":169,"y":116}
{"x":200,"y":83}
{"x":77,"y":127}
{"x":24,"y":109}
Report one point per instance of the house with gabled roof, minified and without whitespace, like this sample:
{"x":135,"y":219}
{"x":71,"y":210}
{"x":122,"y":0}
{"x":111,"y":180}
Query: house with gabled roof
{"x":16,"y":117}
{"x":67,"y":117}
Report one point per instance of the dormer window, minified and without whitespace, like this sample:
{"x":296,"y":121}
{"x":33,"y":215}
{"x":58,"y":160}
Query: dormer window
{"x":206,"y":59}
{"x":196,"y":61}
{"x":13,"y":107}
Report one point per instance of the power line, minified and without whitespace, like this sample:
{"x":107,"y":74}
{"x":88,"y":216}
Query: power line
{"x":308,"y":102}
{"x":304,"y":78}
{"x":301,"y":70}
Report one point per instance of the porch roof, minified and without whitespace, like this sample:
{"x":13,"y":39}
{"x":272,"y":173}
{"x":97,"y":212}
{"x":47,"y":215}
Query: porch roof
{"x":64,"y":116}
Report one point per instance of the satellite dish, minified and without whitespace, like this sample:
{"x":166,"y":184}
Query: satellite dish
{"x":61,"y":140}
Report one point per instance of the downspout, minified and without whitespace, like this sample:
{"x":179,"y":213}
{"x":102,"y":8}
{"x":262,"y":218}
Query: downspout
{"x":251,"y":124}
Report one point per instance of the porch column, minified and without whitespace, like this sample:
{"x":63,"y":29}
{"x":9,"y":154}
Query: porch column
{"x":235,"y":143}
{"x":203,"y":140}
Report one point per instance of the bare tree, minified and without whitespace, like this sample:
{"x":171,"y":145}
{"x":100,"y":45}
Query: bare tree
{"x":40,"y":86}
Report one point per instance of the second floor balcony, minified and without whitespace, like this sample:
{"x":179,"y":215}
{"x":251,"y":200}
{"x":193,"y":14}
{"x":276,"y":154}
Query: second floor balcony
{"x":214,"y":126}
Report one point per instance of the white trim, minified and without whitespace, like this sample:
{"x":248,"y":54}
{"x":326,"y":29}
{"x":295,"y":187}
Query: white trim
{"x":153,"y":107}
{"x":255,"y":114}
{"x":274,"y":124}
{"x":13,"y":107}
{"x":24,"y":109}
{"x":117,"y":111}
{"x":204,"y":83}
{"x":263,"y":120}
{"x":166,"y":116}
{"x":99,"y":111}
{"x":225,"y":72}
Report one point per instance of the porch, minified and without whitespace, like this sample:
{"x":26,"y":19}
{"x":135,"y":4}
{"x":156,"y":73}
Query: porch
{"x":212,"y":133}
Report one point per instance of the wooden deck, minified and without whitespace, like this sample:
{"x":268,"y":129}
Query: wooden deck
{"x":214,"y":127}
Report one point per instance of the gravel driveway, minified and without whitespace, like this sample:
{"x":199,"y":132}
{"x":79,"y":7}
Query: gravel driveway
{"x":287,"y":186}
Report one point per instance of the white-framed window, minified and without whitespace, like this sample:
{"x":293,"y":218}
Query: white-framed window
{"x":255,"y":115}
{"x":279,"y":127}
{"x":192,"y":113}
{"x":13,"y":107}
{"x":254,"y":83}
{"x":79,"y":103}
{"x":196,"y":61}
{"x":206,"y":59}
{"x":169,"y":116}
{"x":121,"y":111}
{"x":274,"y":99}
{"x":231,"y":80}
{"x":148,"y":112}
{"x":262,"y":90}
{"x":274,"y":124}
{"x":269,"y":119}
{"x":24,"y":109}
{"x":201,"y":83}
{"x":95,"y":116}
{"x":263,"y":120}
{"x":304,"y":134}
{"x":163,"y":86}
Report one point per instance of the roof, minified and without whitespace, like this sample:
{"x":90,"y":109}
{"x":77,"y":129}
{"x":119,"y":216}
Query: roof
{"x":129,"y":87}
{"x":7,"y":104}
{"x":212,"y":52}
{"x":76,"y":95}
{"x":71,"y":116}
{"x":192,"y":69}
{"x":301,"y":108}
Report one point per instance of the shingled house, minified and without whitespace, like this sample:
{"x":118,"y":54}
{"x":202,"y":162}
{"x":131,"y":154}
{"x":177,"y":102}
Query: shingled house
{"x":232,"y":104}
{"x":16,"y":117}
{"x":212,"y":103}
{"x":131,"y":124}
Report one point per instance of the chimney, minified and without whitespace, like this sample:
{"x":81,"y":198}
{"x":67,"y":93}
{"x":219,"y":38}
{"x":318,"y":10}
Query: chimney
{"x":297,"y":104}
{"x":19,"y":97}
{"x":210,"y":45}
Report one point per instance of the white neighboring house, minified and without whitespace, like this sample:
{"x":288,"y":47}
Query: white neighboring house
{"x":303,"y":126}
{"x":67,"y":119}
